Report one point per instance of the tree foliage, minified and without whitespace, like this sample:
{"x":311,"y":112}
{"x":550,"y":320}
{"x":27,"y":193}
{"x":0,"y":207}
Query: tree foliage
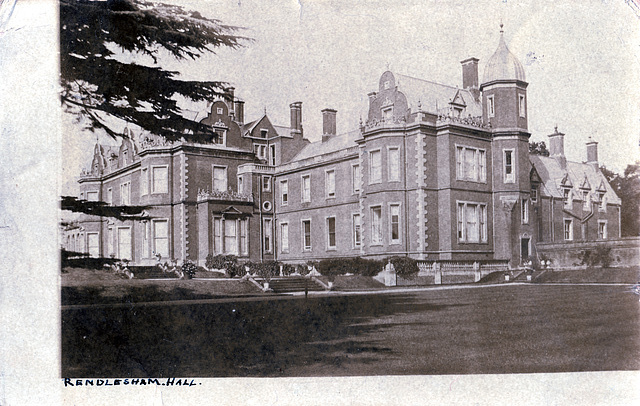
{"x":538,"y":148}
{"x":97,"y":83}
{"x":627,"y":187}
{"x":103,"y":209}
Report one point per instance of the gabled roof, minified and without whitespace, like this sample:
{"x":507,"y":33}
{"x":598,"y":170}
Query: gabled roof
{"x":434,"y":97}
{"x":585,"y":183}
{"x":554,"y":177}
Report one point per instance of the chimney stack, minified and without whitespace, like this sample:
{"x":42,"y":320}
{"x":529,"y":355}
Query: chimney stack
{"x":592,"y":152}
{"x":328,"y":124}
{"x":296,"y":117}
{"x":556,"y":147}
{"x":239,"y":111}
{"x":470,"y":76}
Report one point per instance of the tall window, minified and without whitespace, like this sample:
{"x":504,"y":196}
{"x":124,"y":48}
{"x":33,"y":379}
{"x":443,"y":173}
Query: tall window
{"x":110,"y":239}
{"x":376,"y":225}
{"x":260,"y":150}
{"x":145,"y":239}
{"x":603,"y":203}
{"x":331,"y":233}
{"x":375,"y":167}
{"x":240,"y":184}
{"x":161,"y":237}
{"x":93,"y":242}
{"x":306,"y":188}
{"x":472,"y":222}
{"x":525,"y":211}
{"x":220,"y":178}
{"x":491,"y":107}
{"x":266,"y":183}
{"x":394,"y":164}
{"x":602,"y":229}
{"x":227,"y":239}
{"x":306,"y":235}
{"x":568,"y":229}
{"x":585,"y":200}
{"x":522,"y":106}
{"x":124,"y":243}
{"x":125,"y":194}
{"x":284,"y":192}
{"x":395,"y":223}
{"x":284,"y":237}
{"x":471,"y":164}
{"x":357,"y":237}
{"x":230,"y":236}
{"x":330,"y":183}
{"x":268,"y":235}
{"x":509,"y":175}
{"x":144,"y":181}
{"x":160,"y":176}
{"x":272,"y":155}
{"x":244,"y":240}
{"x":534,"y":194}
{"x":566,"y":197}
{"x":110,"y":196}
{"x":355,"y":178}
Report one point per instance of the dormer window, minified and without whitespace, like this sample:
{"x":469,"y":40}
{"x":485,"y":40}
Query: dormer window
{"x":219,"y":110}
{"x":387,"y":84}
{"x":387,"y":113}
{"x":220,"y":137}
{"x":264,"y":133}
{"x":534,"y":194}
{"x":585,"y":199}
{"x":603,"y":202}
{"x":566,"y":197}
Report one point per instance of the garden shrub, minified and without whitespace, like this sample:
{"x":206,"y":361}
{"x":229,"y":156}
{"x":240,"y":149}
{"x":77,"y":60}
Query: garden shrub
{"x":340,"y":266}
{"x":189,"y":269}
{"x":221,"y":261}
{"x":600,"y":256}
{"x":266,"y":270}
{"x":405,"y":267}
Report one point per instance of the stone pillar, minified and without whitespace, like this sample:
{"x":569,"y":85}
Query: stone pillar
{"x":476,"y":272}
{"x":437,"y":273}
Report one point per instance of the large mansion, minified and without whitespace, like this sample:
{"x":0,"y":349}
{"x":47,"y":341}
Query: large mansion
{"x":435,"y":172}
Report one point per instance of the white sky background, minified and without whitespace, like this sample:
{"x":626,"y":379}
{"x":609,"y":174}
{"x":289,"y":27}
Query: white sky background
{"x":581,"y":60}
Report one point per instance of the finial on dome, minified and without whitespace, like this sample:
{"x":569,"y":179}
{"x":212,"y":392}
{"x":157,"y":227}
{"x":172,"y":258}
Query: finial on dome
{"x":556,"y":129}
{"x":501,"y":25}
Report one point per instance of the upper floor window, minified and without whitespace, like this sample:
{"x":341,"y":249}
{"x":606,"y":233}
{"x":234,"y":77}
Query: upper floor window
{"x":219,"y":110}
{"x":125,"y":194}
{"x":603,"y":203}
{"x":508,"y":166}
{"x":472,"y":222}
{"x":375,"y":167}
{"x":585,"y":200}
{"x":355,"y":178}
{"x":110,"y":196}
{"x":268,"y":235}
{"x":284,"y":192}
{"x":387,"y":113}
{"x":394,"y":223}
{"x":160,"y":179}
{"x":566,"y":197}
{"x":260,"y":150}
{"x":568,"y":229}
{"x":144,"y":181}
{"x":525,"y":211}
{"x":161,"y":237}
{"x":331,"y":233}
{"x":263,"y":133}
{"x":220,"y":178}
{"x":266,"y":183}
{"x":330,"y":183}
{"x":306,"y":188}
{"x":522,"y":106}
{"x":534,"y":194}
{"x":272,"y":155}
{"x":220,"y":137}
{"x":471,"y":164}
{"x":394,"y":164}
{"x":602,"y":229}
{"x":284,"y":237}
{"x":491,"y":107}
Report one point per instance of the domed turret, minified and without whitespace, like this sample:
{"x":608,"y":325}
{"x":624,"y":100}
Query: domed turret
{"x":503,"y":65}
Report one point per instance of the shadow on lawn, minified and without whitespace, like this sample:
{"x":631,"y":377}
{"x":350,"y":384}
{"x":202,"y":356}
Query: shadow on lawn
{"x":252,"y":338}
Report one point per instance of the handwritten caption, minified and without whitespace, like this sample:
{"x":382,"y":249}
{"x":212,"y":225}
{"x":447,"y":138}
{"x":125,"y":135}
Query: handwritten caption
{"x":131,"y":382}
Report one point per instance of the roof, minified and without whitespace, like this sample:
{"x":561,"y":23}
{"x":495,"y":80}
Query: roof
{"x":433,"y":96}
{"x":503,"y":65}
{"x":282,"y":130}
{"x":576,"y":174}
{"x":333,"y":144}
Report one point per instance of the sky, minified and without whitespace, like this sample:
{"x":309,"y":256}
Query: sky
{"x":581,"y":60}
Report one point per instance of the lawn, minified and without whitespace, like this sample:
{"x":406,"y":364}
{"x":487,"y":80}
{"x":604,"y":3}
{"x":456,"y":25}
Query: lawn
{"x":502,"y":329}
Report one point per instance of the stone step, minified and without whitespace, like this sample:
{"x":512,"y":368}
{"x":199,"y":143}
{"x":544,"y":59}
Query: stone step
{"x":294,"y":285}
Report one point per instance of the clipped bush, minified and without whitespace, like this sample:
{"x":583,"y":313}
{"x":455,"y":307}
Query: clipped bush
{"x":189,"y":269}
{"x":405,"y":267}
{"x":221,"y":261}
{"x":340,"y":266}
{"x":265,"y":270}
{"x":302,"y":269}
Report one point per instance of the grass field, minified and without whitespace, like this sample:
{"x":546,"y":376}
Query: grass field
{"x":503,"y":329}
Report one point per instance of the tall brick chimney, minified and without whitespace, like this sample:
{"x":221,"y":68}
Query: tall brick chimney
{"x":556,"y":147}
{"x":328,"y":124}
{"x":296,"y":117}
{"x":592,"y":152}
{"x":239,"y":111}
{"x":470,"y":76}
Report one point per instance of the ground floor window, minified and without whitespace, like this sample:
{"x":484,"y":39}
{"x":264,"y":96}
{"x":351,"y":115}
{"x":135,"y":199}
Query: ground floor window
{"x":161,"y":238}
{"x":268,"y":235}
{"x":376,"y":225}
{"x":306,"y":235}
{"x":124,"y":243}
{"x":602,"y":230}
{"x":93,"y":241}
{"x":331,"y":233}
{"x":395,"y":223}
{"x":230,"y":236}
{"x":472,"y":222}
{"x":284,"y":237}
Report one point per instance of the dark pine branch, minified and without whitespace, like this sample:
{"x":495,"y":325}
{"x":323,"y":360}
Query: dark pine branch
{"x":102,"y":209}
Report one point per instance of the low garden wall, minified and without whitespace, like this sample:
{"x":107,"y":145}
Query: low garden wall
{"x":620,"y":252}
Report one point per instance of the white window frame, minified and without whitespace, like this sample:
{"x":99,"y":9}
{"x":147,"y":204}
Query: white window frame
{"x":306,"y":248}
{"x":222,"y":136}
{"x":284,"y":237}
{"x":165,"y":188}
{"x":378,"y":178}
{"x":265,"y":132}
{"x":330,"y":186}
{"x":284,"y":192}
{"x":392,"y":240}
{"x":377,"y":235}
{"x":243,"y":237}
{"x":585,"y":199}
{"x":567,"y":232}
{"x":156,"y":238}
{"x":479,"y":163}
{"x":356,"y":230}
{"x":567,"y":197}
{"x":109,"y":198}
{"x":240,"y":184}
{"x":272,"y":154}
{"x":491,"y":106}
{"x":110,"y":241}
{"x":522,"y":105}
{"x":463,"y":223}
{"x":219,"y":110}
{"x":125,"y":186}
{"x":534,"y":194}
{"x":305,"y":197}
{"x":328,"y":233}
{"x":603,"y":235}
{"x":525,"y":210}
{"x":509,"y":177}
{"x":213,"y":178}
{"x":390,"y":168}
{"x":602,"y":207}
{"x":355,"y":178}
{"x":266,"y":178}
{"x":268,"y":235}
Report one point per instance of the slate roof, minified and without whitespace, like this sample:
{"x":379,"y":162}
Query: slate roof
{"x":552,"y":175}
{"x":333,"y":144}
{"x":434,"y":97}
